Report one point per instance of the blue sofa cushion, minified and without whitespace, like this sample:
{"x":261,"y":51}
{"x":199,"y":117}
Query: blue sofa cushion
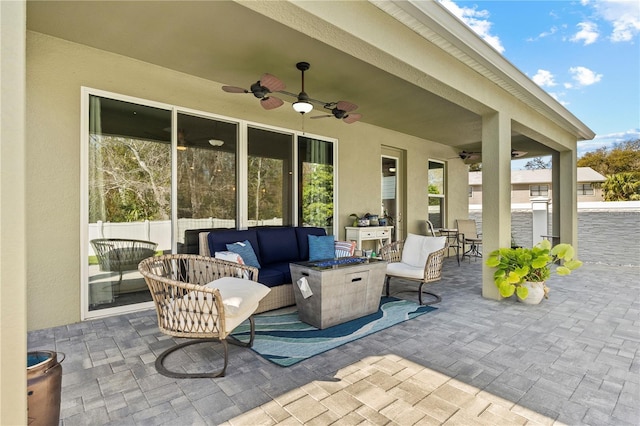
{"x":321,"y":247}
{"x":278,"y":245}
{"x":218,"y":240}
{"x":272,"y":277}
{"x":246,"y":251}
{"x":303,"y":239}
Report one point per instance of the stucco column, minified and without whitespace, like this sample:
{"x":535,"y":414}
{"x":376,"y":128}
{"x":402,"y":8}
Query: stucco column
{"x":555,"y":193}
{"x":13,"y":276}
{"x":567,"y":199}
{"x":496,"y":192}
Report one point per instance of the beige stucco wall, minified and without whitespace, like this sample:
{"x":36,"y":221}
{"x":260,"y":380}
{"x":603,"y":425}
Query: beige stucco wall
{"x":56,"y":71}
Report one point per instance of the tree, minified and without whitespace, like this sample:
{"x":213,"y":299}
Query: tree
{"x":537,"y":164}
{"x":621,"y":187}
{"x":621,"y":165}
{"x":621,"y":158}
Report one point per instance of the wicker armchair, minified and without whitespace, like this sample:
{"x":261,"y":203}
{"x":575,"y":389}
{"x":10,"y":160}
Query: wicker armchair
{"x":201,"y":298}
{"x":120,"y":255}
{"x":416,"y":266}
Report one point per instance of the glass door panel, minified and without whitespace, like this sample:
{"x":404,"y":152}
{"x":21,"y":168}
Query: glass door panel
{"x":206,"y":179}
{"x":315,"y":177}
{"x":129,"y":193}
{"x":269,"y":178}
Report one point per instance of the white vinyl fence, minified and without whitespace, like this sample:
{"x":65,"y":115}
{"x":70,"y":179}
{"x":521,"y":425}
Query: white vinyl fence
{"x":160,"y":231}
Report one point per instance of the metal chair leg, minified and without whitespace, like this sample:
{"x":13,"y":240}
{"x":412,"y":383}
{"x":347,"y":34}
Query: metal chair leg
{"x":166,"y":372}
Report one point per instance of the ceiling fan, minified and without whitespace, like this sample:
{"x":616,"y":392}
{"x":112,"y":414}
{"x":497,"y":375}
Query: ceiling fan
{"x":261,"y":89}
{"x":465,"y":155}
{"x":341,"y":110}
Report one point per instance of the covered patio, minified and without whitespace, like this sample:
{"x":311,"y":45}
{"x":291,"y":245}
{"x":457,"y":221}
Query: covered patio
{"x":427,"y":87}
{"x":571,"y":360}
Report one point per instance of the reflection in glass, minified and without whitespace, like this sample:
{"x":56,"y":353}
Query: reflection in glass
{"x":269,"y":179}
{"x":315,"y":176}
{"x":207,"y":196}
{"x":129,"y":189}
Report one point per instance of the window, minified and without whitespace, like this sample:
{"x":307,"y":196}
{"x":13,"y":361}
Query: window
{"x":585,"y":189}
{"x":315,"y":177}
{"x":538,"y":190}
{"x":470,"y":191}
{"x":436,"y":191}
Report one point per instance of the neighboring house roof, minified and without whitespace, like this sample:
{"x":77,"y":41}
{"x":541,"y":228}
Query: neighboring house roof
{"x":585,"y":174}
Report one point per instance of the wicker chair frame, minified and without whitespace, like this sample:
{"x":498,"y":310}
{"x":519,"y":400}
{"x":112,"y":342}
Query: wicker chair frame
{"x":187,"y":309}
{"x":392,"y":252}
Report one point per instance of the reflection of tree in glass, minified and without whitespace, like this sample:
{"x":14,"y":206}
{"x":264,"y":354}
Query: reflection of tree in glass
{"x":317,"y":194}
{"x":129,"y":179}
{"x":265,"y":188}
{"x":206,"y":184}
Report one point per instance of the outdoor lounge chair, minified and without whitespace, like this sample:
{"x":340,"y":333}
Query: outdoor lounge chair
{"x":418,"y":258}
{"x":202,"y":298}
{"x":120,"y":255}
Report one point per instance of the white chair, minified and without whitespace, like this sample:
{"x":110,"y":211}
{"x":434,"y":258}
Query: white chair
{"x":469,"y":236}
{"x":201,"y":298}
{"x":418,"y":258}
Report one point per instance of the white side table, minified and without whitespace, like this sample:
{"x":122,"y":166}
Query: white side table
{"x":380,"y":234}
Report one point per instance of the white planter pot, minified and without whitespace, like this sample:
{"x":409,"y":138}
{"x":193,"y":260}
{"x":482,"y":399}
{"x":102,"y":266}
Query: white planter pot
{"x":536,"y":293}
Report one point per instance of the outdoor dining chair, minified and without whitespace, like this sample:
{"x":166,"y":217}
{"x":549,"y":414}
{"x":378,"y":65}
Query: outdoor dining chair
{"x":201,"y":298}
{"x":469,"y":237}
{"x":418,"y":259}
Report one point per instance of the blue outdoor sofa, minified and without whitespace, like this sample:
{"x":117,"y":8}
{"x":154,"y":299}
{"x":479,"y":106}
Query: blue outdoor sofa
{"x":275,"y":248}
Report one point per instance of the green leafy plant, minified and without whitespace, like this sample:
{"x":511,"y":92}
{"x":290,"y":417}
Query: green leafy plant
{"x":515,"y":266}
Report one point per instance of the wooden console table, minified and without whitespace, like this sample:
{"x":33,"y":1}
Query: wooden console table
{"x":380,"y":234}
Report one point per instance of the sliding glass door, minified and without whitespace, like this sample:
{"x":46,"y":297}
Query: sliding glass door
{"x":129,"y":197}
{"x":154,"y":173}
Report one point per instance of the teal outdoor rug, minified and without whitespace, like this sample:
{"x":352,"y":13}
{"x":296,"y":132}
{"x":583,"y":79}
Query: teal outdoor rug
{"x":285,"y":340}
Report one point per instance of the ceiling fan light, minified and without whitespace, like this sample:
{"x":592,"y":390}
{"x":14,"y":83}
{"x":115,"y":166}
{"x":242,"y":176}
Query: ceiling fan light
{"x":302,"y":107}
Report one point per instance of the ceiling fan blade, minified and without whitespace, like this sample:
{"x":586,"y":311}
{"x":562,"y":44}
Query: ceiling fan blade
{"x":517,"y":154}
{"x":271,"y":102}
{"x":234,"y":89}
{"x":322,"y":116}
{"x":272,"y":83}
{"x":346,"y":106}
{"x":352,"y":118}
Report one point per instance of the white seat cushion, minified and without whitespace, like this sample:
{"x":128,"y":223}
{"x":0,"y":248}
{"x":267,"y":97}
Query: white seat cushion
{"x":400,"y":269}
{"x":240,"y":298}
{"x":417,"y":249}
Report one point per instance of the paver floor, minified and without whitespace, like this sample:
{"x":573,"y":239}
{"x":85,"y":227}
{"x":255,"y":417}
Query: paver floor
{"x":574,"y":359}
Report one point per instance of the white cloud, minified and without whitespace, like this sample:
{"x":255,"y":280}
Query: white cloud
{"x":588,"y":33}
{"x":477,"y":20}
{"x":607,"y":140}
{"x":623,"y":15}
{"x":544,"y":78}
{"x":584,"y":76}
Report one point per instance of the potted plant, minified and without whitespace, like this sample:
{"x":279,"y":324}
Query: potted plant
{"x":524,"y":271}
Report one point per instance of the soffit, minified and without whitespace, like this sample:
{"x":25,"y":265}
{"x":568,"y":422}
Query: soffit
{"x":228,"y":43}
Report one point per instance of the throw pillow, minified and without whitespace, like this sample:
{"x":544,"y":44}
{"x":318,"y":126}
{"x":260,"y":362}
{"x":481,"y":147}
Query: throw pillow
{"x":245,"y":250}
{"x":229,"y":256}
{"x":321,"y":247}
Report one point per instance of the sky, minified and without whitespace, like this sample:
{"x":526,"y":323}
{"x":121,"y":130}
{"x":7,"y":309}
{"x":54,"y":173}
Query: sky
{"x":584,"y":53}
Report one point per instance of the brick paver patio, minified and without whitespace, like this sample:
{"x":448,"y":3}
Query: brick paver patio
{"x":574,"y":359}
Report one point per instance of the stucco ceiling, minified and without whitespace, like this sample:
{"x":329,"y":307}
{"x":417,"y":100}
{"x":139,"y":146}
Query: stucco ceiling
{"x":230,"y":44}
